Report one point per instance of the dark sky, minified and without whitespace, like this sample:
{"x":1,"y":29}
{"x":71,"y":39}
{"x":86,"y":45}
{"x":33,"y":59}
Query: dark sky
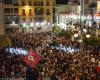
{"x":61,"y":1}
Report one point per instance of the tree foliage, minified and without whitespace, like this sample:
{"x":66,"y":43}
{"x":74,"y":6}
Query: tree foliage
{"x":4,"y":41}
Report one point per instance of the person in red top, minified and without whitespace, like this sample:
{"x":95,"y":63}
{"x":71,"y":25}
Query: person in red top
{"x":98,"y":67}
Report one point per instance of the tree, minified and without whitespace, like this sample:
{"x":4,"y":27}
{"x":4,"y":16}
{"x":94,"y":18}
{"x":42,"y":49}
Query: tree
{"x":4,"y":41}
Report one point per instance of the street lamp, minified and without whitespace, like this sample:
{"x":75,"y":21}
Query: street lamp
{"x":75,"y":35}
{"x":13,"y":24}
{"x":85,"y":31}
{"x":80,"y":41}
{"x":48,"y":23}
{"x":42,"y":23}
{"x":37,"y":23}
{"x":31,"y":24}
{"x":24,"y":25}
{"x":88,"y":36}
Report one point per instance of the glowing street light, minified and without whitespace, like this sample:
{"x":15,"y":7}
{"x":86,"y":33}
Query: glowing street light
{"x":52,"y":24}
{"x":42,"y":23}
{"x":80,"y":40}
{"x":88,"y":36}
{"x":31,"y":24}
{"x":75,"y":35}
{"x":37,"y":23}
{"x":13,"y":22}
{"x":84,"y":30}
{"x":24,"y":24}
{"x":48,"y":23}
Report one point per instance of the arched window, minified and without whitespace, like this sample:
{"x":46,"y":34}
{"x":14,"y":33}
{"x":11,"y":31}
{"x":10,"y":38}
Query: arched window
{"x":23,"y":3}
{"x":48,"y":4}
{"x":30,"y":3}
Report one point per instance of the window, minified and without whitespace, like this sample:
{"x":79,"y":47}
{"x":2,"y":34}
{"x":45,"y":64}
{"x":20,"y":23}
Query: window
{"x":48,"y":12}
{"x":30,"y":3}
{"x":11,"y":10}
{"x":34,"y":3}
{"x":23,"y":12}
{"x":48,"y":3}
{"x":15,"y":10}
{"x":53,"y":3}
{"x":38,"y":3}
{"x":41,"y":3}
{"x":38,"y":19}
{"x":10,"y":19}
{"x":8,"y":10}
{"x":15,"y":2}
{"x":30,"y":20}
{"x":8,"y":1}
{"x":23,"y":20}
{"x":23,"y":3}
{"x":30,"y":12}
{"x":53,"y":10}
{"x":38,"y":11}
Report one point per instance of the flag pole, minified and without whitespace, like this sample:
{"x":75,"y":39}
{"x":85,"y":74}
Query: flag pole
{"x":25,"y":72}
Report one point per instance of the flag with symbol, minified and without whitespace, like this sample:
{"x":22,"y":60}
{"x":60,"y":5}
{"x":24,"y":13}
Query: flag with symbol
{"x":32,"y":59}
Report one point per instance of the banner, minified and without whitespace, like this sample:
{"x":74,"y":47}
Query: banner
{"x":32,"y":59}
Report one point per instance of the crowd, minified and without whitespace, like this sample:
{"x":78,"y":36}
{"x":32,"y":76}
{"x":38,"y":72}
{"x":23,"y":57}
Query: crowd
{"x":56,"y":64}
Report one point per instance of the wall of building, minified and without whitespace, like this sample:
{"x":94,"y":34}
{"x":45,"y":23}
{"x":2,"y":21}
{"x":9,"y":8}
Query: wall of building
{"x":29,"y":13}
{"x":1,"y":20}
{"x":36,"y":11}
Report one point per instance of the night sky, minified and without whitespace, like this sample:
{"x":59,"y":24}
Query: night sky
{"x":61,"y":1}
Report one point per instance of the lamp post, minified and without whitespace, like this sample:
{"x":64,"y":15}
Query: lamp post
{"x":24,"y":27}
{"x":13,"y":24}
{"x":87,"y":36}
{"x":75,"y":36}
{"x":31,"y":27}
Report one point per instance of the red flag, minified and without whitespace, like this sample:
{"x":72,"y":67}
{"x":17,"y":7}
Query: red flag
{"x":98,"y":69}
{"x":32,"y":59}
